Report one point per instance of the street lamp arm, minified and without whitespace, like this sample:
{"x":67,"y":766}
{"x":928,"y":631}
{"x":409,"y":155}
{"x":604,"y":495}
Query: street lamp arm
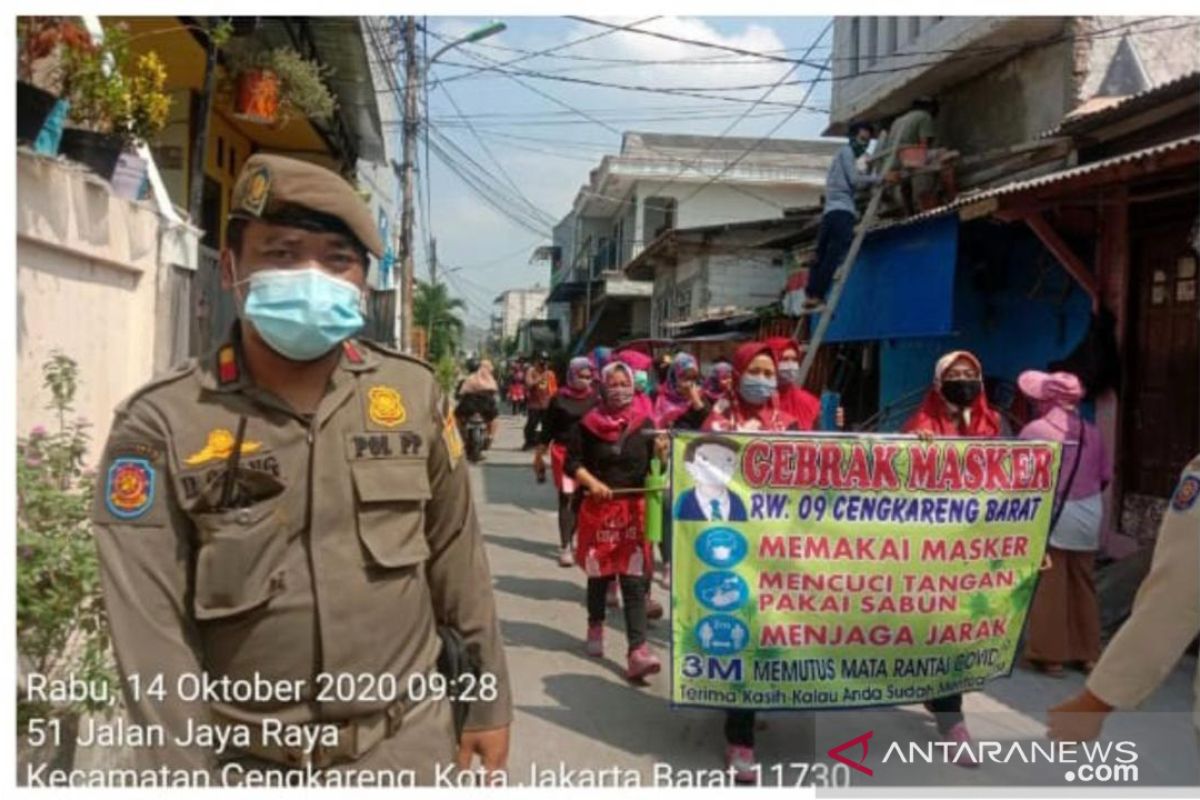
{"x":491,"y":29}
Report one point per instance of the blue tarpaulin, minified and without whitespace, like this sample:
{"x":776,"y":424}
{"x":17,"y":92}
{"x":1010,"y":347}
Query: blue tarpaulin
{"x":901,"y":286}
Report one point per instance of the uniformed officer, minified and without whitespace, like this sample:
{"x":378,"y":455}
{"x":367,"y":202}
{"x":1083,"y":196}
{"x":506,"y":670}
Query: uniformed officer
{"x":1164,"y":620}
{"x":294,"y":509}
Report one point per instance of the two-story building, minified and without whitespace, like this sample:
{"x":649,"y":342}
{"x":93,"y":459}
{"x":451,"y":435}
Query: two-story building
{"x":1072,"y":240}
{"x":657,"y":183}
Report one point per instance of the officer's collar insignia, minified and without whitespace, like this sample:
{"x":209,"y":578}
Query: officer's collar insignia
{"x":1186,"y":494}
{"x":352,"y":353}
{"x":129,"y":487}
{"x":386,"y":406}
{"x":227,"y":367}
{"x":218,"y":447}
{"x":257,"y":189}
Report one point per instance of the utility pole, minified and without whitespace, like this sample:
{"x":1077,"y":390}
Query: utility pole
{"x":433,"y":262}
{"x":412,"y":78}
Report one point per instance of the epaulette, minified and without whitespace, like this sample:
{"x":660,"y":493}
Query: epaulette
{"x":175,"y":373}
{"x":393,"y":353}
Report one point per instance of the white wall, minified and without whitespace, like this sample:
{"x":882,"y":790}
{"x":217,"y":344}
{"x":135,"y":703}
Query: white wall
{"x":718,"y":203}
{"x":88,"y":285}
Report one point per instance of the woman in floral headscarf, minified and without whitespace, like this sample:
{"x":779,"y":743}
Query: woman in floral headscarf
{"x":574,"y":399}
{"x":719,"y":383}
{"x":608,"y":451}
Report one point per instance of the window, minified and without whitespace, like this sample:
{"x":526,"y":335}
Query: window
{"x":220,"y":153}
{"x":872,"y":40}
{"x":893,"y":35}
{"x":853,"y":54}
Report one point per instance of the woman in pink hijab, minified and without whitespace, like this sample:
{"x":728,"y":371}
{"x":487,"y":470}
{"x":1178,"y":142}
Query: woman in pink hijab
{"x":1064,"y":620}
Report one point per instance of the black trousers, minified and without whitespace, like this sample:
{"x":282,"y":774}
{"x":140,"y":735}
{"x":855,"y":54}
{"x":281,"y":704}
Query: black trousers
{"x":833,"y":242}
{"x":739,"y":727}
{"x":947,"y":711}
{"x":664,"y":547}
{"x":633,"y":593}
{"x":566,"y":518}
{"x":533,"y":421}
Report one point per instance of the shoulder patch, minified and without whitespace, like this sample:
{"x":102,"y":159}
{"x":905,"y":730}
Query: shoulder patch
{"x":1186,"y":493}
{"x":129,"y":487}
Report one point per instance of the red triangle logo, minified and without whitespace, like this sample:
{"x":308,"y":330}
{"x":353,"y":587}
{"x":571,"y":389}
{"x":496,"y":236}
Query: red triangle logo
{"x":836,"y":753}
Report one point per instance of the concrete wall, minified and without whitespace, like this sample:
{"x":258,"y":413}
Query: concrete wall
{"x":518,"y":305}
{"x":1165,"y":48}
{"x":93,"y":282}
{"x":1010,"y":103}
{"x":702,"y":282}
{"x":720,"y":203}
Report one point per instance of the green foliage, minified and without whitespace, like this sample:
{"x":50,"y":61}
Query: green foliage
{"x":302,"y":87}
{"x":114,"y":91}
{"x":438,"y":313}
{"x":445,"y":371}
{"x":61,"y":628}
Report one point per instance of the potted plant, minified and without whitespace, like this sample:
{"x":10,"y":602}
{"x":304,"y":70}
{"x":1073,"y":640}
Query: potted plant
{"x":269,"y":87}
{"x":117,"y":101}
{"x":39,"y":69}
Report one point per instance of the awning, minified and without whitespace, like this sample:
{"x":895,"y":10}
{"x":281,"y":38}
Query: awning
{"x":902,"y":285}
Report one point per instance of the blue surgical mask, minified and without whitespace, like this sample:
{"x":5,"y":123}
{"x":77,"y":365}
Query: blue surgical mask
{"x":789,"y":372}
{"x":756,"y":389}
{"x":302,"y":313}
{"x":641,"y":380}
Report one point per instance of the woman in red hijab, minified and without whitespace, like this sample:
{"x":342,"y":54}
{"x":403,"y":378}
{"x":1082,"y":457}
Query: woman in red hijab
{"x":793,"y":398}
{"x":955,"y":406}
{"x":753,"y":405}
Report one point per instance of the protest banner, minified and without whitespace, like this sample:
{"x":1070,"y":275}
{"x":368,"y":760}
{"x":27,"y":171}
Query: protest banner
{"x":831,"y":572}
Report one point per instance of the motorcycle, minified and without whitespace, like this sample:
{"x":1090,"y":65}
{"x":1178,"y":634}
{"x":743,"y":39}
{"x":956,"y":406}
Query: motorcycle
{"x":474,"y":436}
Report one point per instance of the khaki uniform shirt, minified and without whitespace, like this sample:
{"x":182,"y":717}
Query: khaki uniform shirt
{"x":1166,"y":610}
{"x":340,"y":543}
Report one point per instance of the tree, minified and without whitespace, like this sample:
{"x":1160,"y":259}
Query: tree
{"x":438,"y":312}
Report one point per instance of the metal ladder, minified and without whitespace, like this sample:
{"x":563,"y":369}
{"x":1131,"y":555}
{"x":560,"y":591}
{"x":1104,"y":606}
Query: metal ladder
{"x":843,"y":273}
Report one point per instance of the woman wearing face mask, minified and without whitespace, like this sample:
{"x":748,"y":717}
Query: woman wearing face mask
{"x":752,"y":406}
{"x":719,"y":383}
{"x":955,"y":406}
{"x":793,"y":398}
{"x":679,"y":405}
{"x":608,"y":451}
{"x":1064,"y":619}
{"x":574,"y":399}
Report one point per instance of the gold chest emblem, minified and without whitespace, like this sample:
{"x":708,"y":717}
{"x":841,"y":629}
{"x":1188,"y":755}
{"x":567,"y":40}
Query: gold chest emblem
{"x":386,"y":406}
{"x":219,"y":447}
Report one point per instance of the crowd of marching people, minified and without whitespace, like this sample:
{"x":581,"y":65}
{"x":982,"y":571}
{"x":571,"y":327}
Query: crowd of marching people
{"x":603,"y":434}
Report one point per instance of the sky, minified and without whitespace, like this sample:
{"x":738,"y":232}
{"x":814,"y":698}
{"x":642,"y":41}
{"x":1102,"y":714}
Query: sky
{"x":530,"y":139}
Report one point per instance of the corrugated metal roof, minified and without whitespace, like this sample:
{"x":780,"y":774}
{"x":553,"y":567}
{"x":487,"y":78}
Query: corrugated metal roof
{"x":1128,"y":105}
{"x":1018,"y":187}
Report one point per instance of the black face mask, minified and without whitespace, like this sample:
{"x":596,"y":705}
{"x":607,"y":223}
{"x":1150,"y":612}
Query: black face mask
{"x":858,"y":147}
{"x":961,"y":392}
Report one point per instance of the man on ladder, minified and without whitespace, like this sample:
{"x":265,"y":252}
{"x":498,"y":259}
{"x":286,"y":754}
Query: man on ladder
{"x":843,"y":180}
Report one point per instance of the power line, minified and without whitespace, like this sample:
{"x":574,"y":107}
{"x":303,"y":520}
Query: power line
{"x":551,"y":50}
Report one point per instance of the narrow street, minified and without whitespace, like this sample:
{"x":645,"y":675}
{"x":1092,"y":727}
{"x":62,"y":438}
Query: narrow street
{"x":579,"y":712}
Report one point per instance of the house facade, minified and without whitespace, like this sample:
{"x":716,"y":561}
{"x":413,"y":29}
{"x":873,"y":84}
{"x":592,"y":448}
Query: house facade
{"x":658,"y":183}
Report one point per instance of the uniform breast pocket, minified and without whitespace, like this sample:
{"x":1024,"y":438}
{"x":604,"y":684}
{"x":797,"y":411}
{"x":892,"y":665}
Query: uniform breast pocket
{"x":391,"y":499}
{"x":240,"y":561}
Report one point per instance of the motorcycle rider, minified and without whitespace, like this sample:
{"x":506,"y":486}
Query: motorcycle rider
{"x":479,"y":394}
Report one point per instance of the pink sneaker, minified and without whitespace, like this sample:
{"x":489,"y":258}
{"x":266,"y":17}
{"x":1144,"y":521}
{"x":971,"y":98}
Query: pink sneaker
{"x":595,"y":639}
{"x":961,"y":737}
{"x":642,"y":663}
{"x":740,"y":760}
{"x":613,"y":598}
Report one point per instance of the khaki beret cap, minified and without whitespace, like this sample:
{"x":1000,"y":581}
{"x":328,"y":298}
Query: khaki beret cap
{"x":269,"y":184}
